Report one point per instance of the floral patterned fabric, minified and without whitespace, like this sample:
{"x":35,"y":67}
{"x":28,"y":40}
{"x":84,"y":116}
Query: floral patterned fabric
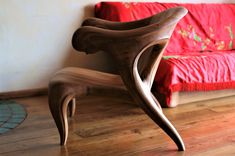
{"x":207,"y":27}
{"x":201,"y":52}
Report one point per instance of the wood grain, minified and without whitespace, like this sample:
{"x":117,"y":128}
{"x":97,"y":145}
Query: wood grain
{"x":23,"y":93}
{"x":108,"y":126}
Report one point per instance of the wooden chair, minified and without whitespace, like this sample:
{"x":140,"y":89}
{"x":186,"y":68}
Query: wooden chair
{"x":137,"y":47}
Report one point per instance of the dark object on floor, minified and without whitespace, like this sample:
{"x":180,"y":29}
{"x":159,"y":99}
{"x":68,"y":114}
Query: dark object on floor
{"x":11,"y":115}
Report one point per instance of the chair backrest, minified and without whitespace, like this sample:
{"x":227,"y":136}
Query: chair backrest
{"x":125,"y":40}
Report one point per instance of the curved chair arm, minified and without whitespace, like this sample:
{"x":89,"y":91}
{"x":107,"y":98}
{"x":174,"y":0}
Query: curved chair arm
{"x":92,"y":39}
{"x":96,"y":30}
{"x":137,"y":48}
{"x":101,"y":23}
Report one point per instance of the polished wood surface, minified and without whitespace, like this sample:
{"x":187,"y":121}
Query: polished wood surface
{"x":23,"y":93}
{"x":137,"y":48}
{"x":107,"y":126}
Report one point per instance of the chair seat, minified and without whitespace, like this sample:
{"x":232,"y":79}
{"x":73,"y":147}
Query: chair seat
{"x":80,"y":76}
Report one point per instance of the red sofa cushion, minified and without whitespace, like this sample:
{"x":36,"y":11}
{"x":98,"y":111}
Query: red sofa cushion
{"x":207,"y":27}
{"x":195,"y":72}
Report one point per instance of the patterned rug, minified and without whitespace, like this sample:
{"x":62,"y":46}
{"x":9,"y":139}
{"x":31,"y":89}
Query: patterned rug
{"x":11,"y":115}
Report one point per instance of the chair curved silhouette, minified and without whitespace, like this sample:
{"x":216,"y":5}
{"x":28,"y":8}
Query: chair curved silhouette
{"x":137,"y":47}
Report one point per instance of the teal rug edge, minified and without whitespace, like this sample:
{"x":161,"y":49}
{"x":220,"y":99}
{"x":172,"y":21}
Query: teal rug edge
{"x":12,"y":114}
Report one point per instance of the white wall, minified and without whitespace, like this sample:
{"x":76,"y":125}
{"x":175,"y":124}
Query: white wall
{"x":35,"y":40}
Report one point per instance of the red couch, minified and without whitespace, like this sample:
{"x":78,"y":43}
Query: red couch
{"x":201,"y":53}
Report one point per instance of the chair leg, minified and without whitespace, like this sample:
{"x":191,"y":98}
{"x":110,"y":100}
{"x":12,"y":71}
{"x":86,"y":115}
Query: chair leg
{"x":152,"y":108}
{"x":160,"y":119}
{"x":69,"y":83}
{"x":59,"y":108}
{"x":72,"y":107}
{"x":60,"y":95}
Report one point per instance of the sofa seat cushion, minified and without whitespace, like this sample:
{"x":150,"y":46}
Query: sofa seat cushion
{"x":195,"y":72}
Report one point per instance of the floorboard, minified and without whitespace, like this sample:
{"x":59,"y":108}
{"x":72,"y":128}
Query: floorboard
{"x":107,"y":126}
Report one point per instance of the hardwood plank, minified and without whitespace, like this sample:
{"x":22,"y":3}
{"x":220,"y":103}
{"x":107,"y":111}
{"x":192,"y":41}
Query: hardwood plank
{"x":107,"y":126}
{"x":23,"y":93}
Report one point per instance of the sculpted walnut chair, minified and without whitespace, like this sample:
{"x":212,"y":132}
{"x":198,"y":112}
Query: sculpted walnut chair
{"x":137,"y":48}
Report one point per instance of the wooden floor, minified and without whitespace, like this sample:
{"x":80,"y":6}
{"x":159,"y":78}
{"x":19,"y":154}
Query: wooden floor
{"x":107,"y":126}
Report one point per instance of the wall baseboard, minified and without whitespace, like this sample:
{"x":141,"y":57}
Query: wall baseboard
{"x":23,"y":93}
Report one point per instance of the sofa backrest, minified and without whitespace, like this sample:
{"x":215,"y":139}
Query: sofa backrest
{"x":206,"y":27}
